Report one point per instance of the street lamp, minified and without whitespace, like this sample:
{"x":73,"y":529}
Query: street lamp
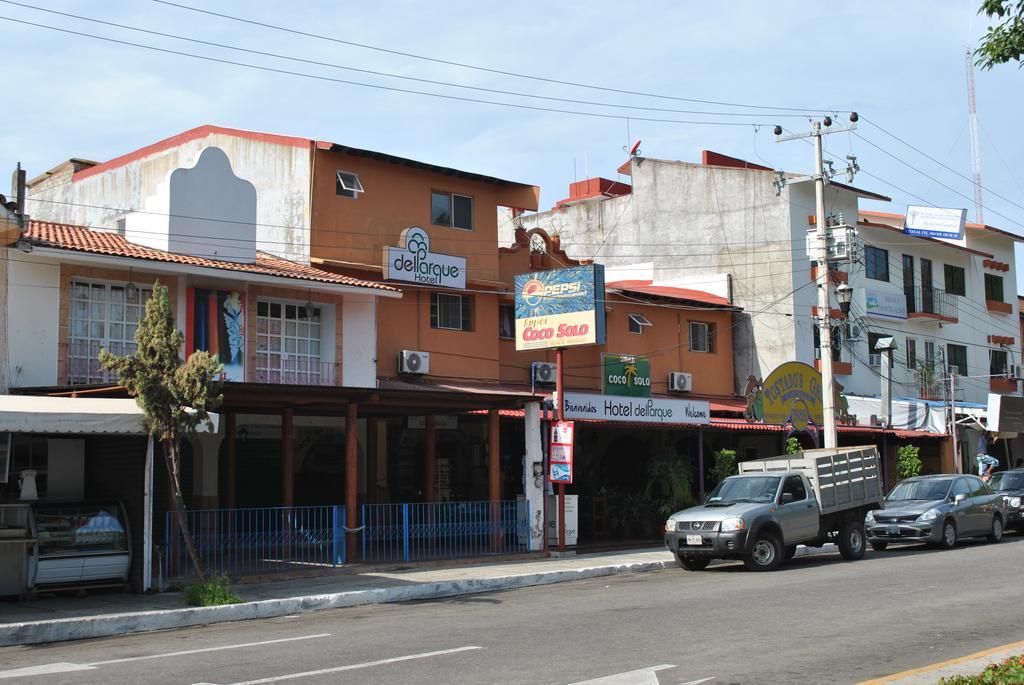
{"x":844,"y":293}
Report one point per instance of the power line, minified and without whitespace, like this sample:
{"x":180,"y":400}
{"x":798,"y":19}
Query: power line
{"x":383,"y":73}
{"x":464,"y":65}
{"x":394,"y":89}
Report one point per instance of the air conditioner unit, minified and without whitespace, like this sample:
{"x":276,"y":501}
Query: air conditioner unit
{"x":1015,"y":372}
{"x":414,"y":361}
{"x":680,"y":382}
{"x":544,"y":373}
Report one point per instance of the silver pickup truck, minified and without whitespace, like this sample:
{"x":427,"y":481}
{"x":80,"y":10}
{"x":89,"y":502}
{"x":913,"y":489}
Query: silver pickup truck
{"x":775,"y":504}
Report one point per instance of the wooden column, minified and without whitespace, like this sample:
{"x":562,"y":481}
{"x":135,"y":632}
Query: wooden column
{"x":430,"y":468}
{"x":229,"y":461}
{"x":287,"y":458}
{"x":494,"y":473}
{"x":371,"y":460}
{"x":351,"y":472}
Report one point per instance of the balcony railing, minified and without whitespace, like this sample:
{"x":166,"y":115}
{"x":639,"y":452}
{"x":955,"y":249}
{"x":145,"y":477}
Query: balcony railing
{"x":82,"y":361}
{"x":264,"y":368}
{"x":933,"y":303}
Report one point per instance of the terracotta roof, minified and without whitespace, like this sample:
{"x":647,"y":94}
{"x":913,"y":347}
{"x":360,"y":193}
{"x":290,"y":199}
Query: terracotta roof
{"x":82,"y":239}
{"x":671,"y":292}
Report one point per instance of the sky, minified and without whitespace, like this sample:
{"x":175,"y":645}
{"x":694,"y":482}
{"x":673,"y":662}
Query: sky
{"x":901,"y":66}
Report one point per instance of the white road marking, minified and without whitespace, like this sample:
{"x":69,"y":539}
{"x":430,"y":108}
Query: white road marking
{"x":643,"y":676}
{"x":65,"y":667}
{"x":352,"y":667}
{"x":207,"y":649}
{"x":44,"y":669}
{"x":697,"y":682}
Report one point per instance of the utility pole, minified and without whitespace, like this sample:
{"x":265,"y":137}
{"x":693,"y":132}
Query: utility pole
{"x":952,"y":422}
{"x":821,"y":255}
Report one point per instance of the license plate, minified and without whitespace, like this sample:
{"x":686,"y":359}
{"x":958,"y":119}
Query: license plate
{"x":893,"y":530}
{"x":694,"y":540}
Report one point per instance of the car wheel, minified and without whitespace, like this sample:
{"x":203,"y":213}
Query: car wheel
{"x":765,"y":554}
{"x":790,"y":552}
{"x":851,"y":541}
{"x":948,"y":539}
{"x":693,"y":563}
{"x":996,"y":534}
{"x":879,"y":545}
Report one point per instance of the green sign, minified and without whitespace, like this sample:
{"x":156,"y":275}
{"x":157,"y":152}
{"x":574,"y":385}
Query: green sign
{"x":626,"y":375}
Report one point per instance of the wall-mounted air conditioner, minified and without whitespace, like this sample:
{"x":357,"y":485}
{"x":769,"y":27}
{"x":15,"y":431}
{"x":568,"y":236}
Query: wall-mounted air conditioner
{"x":1015,"y":372}
{"x":544,"y":373}
{"x":680,"y":382}
{"x":413,"y":361}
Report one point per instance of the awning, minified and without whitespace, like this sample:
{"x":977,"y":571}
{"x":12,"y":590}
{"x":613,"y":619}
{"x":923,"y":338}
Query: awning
{"x":74,"y":415}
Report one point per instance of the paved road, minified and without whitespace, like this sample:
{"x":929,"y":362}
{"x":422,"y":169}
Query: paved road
{"x":816,"y":620}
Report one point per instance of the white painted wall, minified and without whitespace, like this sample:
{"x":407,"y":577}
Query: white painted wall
{"x":359,"y":341}
{"x":279,"y":173}
{"x":32,"y":315}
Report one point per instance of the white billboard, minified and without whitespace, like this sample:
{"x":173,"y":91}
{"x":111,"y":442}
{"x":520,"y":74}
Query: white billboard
{"x":935,"y":222}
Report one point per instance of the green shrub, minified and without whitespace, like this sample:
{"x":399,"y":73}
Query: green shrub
{"x":724,"y":466}
{"x":908,"y":463}
{"x":793,"y":446}
{"x":211,"y":592}
{"x":1009,"y":672}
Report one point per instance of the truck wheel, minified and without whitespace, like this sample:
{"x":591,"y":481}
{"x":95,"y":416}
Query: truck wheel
{"x":948,"y":540}
{"x":765,"y":555}
{"x":851,"y":541}
{"x":879,"y":545}
{"x":996,"y":534}
{"x":692,"y":563}
{"x":790,"y":552}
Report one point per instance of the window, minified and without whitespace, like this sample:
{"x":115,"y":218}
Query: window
{"x":993,"y":287}
{"x":837,"y":343}
{"x":908,"y":283}
{"x":101,"y":316}
{"x":702,"y":337}
{"x":979,"y":488}
{"x":451,"y":312}
{"x":961,"y":487}
{"x":997,"y":362}
{"x":287,"y":342}
{"x":911,"y":354}
{"x":506,"y":321}
{"x":876,"y":263}
{"x":794,"y":485}
{"x":120,"y":226}
{"x":347,"y":185}
{"x":956,"y":356}
{"x":874,"y":356}
{"x":955,"y":282}
{"x":454,"y":211}
{"x":637,"y":323}
{"x":929,"y":353}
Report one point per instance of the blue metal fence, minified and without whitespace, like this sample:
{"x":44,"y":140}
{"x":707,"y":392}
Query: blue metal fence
{"x":261,"y":540}
{"x":444,"y":530}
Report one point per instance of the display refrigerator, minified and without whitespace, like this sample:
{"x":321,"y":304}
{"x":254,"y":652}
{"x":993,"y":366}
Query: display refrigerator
{"x":79,"y":543}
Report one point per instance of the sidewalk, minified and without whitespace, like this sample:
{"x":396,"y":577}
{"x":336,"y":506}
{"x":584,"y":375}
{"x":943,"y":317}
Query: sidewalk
{"x":101,"y":615}
{"x":971,"y":664}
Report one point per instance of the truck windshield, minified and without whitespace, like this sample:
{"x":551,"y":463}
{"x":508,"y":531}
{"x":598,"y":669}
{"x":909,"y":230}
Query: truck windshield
{"x":745,"y":489}
{"x":1007,"y":481}
{"x":921,"y":489}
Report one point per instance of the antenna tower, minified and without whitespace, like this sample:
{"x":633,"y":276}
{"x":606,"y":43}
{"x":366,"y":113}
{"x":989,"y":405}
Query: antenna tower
{"x":972,"y":109}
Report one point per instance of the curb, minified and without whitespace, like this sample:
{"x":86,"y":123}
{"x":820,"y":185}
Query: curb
{"x":85,"y":627}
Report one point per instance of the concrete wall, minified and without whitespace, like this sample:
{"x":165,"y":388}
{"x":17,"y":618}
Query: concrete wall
{"x":278,"y":167}
{"x":32,"y":320}
{"x":359,"y":333}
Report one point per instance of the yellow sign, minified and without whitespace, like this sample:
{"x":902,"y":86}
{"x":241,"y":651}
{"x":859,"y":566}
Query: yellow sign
{"x":792,"y":393}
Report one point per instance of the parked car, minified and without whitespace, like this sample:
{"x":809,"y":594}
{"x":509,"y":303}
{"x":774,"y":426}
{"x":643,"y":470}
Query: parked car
{"x":1010,"y":484}
{"x":761,"y":515}
{"x":938,"y":510}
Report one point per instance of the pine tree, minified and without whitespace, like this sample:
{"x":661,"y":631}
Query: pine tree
{"x":175,"y":397}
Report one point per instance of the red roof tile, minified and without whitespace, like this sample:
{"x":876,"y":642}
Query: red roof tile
{"x":82,"y":239}
{"x":646,"y":288}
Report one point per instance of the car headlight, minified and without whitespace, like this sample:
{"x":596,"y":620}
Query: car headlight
{"x":929,"y":515}
{"x":1015,"y":501}
{"x":734,"y":523}
{"x":670,"y":526}
{"x":869,"y":517}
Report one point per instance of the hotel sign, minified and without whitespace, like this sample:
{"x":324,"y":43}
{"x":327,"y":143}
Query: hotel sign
{"x":636,"y":409}
{"x":412,"y":261}
{"x":935,"y":222}
{"x":560,"y":308}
